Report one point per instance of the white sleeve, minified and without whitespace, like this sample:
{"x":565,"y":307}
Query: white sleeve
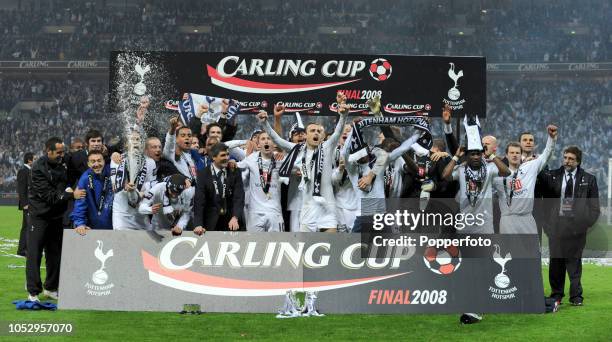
{"x":336,"y":176}
{"x":456,"y":172}
{"x":404,"y":147}
{"x":169,"y":147}
{"x":238,"y":153}
{"x":282,"y":143}
{"x":382,"y":161}
{"x":151,"y":168}
{"x":186,"y":214}
{"x":335,"y":137}
{"x":543,"y":158}
{"x":235,"y":143}
{"x":146,"y":204}
{"x":246,"y":170}
{"x":492,"y":169}
{"x":419,"y":150}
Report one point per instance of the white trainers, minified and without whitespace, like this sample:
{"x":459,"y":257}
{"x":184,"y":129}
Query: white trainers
{"x":51,"y":294}
{"x":33,"y":298}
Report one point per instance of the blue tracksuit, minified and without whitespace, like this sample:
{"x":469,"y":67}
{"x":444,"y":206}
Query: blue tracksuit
{"x":86,"y":209}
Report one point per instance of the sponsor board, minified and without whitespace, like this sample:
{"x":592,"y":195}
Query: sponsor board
{"x":307,"y":79}
{"x":252,"y":272}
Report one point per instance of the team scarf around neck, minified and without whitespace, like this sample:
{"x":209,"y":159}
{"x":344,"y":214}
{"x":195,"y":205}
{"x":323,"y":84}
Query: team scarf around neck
{"x":265,"y":181}
{"x":317,"y":160}
{"x":474,"y":181}
{"x":99,"y":204}
{"x":420,"y":122}
{"x":122,"y":171}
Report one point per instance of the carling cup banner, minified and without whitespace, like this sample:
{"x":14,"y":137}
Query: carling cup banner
{"x":252,"y":272}
{"x":307,"y":83}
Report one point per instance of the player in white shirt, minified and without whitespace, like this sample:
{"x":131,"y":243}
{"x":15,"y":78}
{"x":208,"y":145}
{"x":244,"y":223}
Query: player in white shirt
{"x":475,"y":186}
{"x":318,"y":207}
{"x":127,"y":194}
{"x":366,"y":176}
{"x":516,"y":192}
{"x":346,"y":199}
{"x":170,"y":203}
{"x":260,"y":173}
{"x":177,"y":149}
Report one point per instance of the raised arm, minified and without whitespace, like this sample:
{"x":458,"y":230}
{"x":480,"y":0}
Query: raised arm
{"x":403,"y":148}
{"x":543,"y":158}
{"x":278,"y":116}
{"x":280,"y":142}
{"x":170,"y":143}
{"x":343,"y":110}
{"x":382,"y":161}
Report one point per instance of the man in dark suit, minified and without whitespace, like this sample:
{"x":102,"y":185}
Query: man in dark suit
{"x":574,"y":209}
{"x":219,"y":197}
{"x":23,"y":182}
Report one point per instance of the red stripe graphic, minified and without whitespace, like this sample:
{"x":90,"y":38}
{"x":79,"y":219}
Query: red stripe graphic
{"x":186,"y":276}
{"x":238,"y":84}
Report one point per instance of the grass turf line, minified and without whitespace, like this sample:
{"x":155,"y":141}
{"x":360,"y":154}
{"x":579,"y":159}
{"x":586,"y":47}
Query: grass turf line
{"x":588,"y":323}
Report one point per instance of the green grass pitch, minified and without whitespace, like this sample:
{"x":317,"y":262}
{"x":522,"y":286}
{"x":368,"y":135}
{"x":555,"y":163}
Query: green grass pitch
{"x":588,"y":323}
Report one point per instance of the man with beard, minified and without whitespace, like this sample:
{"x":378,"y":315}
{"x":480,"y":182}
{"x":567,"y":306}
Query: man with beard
{"x":127,"y":193}
{"x":94,"y":211}
{"x":48,"y":196}
{"x":516,"y":192}
{"x":315,"y":160}
{"x":170,"y":204}
{"x":260,"y":174}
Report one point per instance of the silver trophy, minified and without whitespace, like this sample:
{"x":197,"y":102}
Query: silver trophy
{"x":140,"y":88}
{"x":291,"y":308}
{"x":135,"y":160}
{"x":310,"y":305}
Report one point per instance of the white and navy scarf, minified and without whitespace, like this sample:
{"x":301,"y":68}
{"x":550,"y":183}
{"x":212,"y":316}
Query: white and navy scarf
{"x":474,"y":182}
{"x":358,"y":145}
{"x":123,"y":171}
{"x":317,"y":159}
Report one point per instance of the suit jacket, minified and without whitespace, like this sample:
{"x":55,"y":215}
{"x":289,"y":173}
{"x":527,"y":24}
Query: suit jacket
{"x":23,"y":184}
{"x":47,"y":195}
{"x":586,"y":200}
{"x":207,"y":203}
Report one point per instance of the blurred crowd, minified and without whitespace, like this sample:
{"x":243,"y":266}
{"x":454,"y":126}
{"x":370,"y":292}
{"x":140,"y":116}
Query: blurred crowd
{"x":517,"y":31}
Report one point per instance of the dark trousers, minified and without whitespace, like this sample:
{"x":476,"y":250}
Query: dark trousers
{"x":566,"y":256}
{"x":44,"y":234}
{"x":23,"y":239}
